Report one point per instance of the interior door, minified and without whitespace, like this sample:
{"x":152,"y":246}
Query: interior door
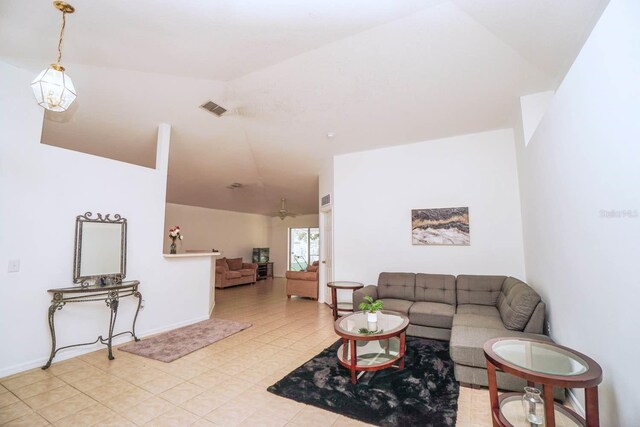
{"x":327,"y":253}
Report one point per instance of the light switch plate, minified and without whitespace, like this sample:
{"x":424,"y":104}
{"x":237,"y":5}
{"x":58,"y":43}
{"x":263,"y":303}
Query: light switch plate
{"x":14,"y":265}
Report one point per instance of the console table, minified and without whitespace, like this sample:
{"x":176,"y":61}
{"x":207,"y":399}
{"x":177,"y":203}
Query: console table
{"x":110,"y":294}
{"x":546,"y":363}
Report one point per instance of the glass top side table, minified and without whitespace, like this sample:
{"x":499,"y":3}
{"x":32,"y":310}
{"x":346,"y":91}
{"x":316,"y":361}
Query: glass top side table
{"x":343,"y":306}
{"x":543,"y":363}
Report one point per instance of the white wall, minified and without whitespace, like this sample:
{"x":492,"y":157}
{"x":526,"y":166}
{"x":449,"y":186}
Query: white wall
{"x":42,"y":189}
{"x":580,"y":178}
{"x":279,"y":239}
{"x":376,"y":190}
{"x":233,"y":233}
{"x":325,"y":186}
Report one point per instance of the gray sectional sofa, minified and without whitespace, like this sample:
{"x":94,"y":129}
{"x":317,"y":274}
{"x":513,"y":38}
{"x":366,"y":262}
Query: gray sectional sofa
{"x":466,"y":310}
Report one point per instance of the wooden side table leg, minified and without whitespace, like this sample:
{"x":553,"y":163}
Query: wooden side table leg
{"x":493,"y":392}
{"x":592,"y":414}
{"x":334,"y":302}
{"x":354,"y":360}
{"x":549,"y":409}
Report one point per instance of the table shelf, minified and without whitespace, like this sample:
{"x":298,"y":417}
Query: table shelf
{"x":511,"y":414}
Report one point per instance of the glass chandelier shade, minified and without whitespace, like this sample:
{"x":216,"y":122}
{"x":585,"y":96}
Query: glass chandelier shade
{"x":53,"y":89}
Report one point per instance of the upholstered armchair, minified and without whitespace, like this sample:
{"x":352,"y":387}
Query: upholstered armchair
{"x":303,"y":283}
{"x":232,"y":272}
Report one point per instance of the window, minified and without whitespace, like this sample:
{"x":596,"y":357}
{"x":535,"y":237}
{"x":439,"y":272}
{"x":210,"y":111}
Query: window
{"x":304,"y":247}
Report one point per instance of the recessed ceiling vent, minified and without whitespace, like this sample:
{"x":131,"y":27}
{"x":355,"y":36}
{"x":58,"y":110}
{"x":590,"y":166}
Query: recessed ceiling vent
{"x":214,"y":108}
{"x":234,"y":186}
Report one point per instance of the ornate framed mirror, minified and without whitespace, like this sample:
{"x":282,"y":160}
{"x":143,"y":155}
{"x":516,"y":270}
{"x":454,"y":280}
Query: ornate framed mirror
{"x":100,"y":254}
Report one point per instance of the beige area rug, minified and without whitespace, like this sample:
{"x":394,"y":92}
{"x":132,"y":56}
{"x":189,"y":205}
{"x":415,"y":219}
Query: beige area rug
{"x":172,"y":345}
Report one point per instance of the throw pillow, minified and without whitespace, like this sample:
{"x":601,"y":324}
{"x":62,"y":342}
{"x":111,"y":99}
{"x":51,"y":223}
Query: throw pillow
{"x":234,"y":263}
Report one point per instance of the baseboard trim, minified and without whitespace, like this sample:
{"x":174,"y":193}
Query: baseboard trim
{"x":575,"y":402}
{"x":79,"y":351}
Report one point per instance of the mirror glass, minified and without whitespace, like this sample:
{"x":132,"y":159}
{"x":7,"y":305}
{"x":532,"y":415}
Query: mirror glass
{"x":100,"y":247}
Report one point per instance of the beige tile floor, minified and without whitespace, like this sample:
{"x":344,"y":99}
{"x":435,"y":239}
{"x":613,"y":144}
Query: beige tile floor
{"x":223,"y":384}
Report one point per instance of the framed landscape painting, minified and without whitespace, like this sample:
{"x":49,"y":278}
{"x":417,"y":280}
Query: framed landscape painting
{"x":442,"y":226}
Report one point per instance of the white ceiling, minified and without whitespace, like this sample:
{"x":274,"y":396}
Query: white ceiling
{"x":376,"y":73}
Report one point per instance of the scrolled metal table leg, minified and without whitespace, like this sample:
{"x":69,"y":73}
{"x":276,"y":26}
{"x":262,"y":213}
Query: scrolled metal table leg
{"x":135,"y":318}
{"x":113,"y":305}
{"x":55,"y":306}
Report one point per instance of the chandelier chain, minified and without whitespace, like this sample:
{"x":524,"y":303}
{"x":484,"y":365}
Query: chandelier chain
{"x":64,"y":23}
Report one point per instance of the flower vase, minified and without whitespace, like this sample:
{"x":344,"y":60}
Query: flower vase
{"x":533,"y":406}
{"x":372,"y":317}
{"x":172,"y":248}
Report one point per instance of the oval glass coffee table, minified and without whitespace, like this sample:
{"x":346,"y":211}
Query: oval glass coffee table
{"x":546,"y":363}
{"x":371,"y":346}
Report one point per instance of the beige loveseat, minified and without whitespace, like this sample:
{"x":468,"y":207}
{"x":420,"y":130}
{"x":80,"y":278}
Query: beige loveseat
{"x":232,"y":272}
{"x":465,"y":310}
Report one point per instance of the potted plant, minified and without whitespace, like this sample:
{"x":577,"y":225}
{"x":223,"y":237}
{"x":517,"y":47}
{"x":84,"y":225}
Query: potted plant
{"x":371,"y":307}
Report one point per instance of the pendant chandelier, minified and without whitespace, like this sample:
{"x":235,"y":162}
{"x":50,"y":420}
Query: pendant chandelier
{"x":52,"y":88}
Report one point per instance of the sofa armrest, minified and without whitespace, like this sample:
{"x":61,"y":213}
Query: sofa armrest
{"x":302,"y":275}
{"x":249,"y":265}
{"x":536,"y":321}
{"x":358,"y":296}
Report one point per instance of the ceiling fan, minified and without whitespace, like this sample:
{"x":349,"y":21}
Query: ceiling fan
{"x":283,"y":212}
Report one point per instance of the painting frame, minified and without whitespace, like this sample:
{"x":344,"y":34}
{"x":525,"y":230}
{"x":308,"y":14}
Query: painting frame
{"x":440,"y":227}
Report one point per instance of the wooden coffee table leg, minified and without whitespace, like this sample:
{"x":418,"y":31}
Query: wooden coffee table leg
{"x":334,"y":302}
{"x":403,"y":340}
{"x":354,"y":360}
{"x":592,"y":414}
{"x":493,"y":391}
{"x":549,"y":409}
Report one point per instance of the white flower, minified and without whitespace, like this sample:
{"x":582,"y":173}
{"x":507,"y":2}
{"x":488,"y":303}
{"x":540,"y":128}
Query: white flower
{"x":181,"y":236}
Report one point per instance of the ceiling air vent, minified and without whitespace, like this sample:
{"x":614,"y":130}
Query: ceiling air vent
{"x":214,"y":108}
{"x":325,"y":200}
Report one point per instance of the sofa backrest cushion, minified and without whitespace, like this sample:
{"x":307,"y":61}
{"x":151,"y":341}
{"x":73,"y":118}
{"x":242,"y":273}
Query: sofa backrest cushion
{"x":482,"y":290}
{"x":436,"y":288}
{"x":516,"y":303}
{"x":397,"y":285}
{"x":222,"y":262}
{"x":234,"y":263}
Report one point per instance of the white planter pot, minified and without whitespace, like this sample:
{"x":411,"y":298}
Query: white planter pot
{"x":372,"y":317}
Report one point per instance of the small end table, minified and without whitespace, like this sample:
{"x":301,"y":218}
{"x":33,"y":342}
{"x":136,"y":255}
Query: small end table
{"x":544,"y":363}
{"x":343,"y":306}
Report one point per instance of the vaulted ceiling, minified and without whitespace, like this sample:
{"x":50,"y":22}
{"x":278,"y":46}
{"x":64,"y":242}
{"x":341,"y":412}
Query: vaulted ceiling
{"x":373,"y":72}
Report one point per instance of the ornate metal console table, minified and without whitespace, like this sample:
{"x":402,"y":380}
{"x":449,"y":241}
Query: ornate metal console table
{"x":110,"y":294}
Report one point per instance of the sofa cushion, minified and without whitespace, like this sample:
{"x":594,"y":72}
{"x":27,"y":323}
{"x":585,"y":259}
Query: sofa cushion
{"x":483,"y":290}
{"x":222,"y":262}
{"x":435,"y":314}
{"x":235,"y":264}
{"x":399,"y":305}
{"x":516,"y":303}
{"x":467,"y":341}
{"x":232,"y":274}
{"x":397,"y":286}
{"x":312,"y":268}
{"x":245,"y":272}
{"x":482,"y":316}
{"x":436,"y":288}
{"x":302,"y":275}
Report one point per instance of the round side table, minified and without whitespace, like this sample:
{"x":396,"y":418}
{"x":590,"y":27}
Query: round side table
{"x":343,"y":306}
{"x":546,"y":363}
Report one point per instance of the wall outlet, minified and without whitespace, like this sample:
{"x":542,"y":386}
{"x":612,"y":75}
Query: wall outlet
{"x":14,"y":266}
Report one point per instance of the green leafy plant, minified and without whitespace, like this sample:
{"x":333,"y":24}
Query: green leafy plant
{"x":365,"y":331}
{"x":370,"y":305}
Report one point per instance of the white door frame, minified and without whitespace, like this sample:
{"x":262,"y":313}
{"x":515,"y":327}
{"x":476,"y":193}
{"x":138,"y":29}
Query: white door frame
{"x":325,"y":247}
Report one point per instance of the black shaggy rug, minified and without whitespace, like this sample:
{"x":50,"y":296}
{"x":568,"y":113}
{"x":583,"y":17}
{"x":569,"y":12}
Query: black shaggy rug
{"x":424,"y":393}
